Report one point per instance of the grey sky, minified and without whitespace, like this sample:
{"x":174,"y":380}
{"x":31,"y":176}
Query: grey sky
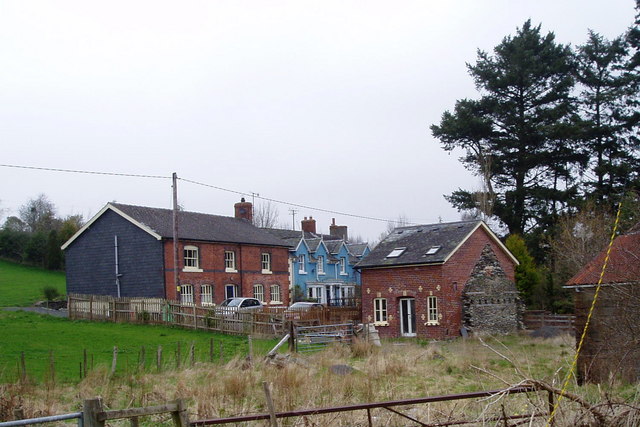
{"x":326,"y":104}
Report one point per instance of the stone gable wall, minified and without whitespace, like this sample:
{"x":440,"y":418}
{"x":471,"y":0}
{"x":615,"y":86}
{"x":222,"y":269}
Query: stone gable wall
{"x":490,"y":299}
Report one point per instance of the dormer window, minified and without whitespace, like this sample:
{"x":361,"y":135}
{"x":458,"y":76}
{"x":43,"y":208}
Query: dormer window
{"x":396,"y":252}
{"x":432,"y":250}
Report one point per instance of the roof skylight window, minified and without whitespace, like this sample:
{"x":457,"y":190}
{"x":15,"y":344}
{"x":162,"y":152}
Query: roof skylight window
{"x":432,"y":250}
{"x":396,"y":252}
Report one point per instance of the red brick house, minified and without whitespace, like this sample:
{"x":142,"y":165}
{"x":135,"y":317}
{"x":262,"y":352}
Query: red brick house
{"x":127,"y":251}
{"x":429,"y":281}
{"x":612,"y":345}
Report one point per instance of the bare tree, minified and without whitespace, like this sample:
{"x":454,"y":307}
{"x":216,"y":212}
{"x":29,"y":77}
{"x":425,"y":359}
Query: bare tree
{"x":401,"y":221}
{"x":39,"y":214}
{"x":265,"y":215}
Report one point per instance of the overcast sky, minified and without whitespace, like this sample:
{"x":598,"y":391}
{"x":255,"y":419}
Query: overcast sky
{"x":326,"y":104}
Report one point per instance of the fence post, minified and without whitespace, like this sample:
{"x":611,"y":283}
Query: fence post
{"x":90,"y":411}
{"x":114,"y":361}
{"x":272,"y":410}
{"x":292,"y":338}
{"x":181,"y":416}
{"x":551,"y":406}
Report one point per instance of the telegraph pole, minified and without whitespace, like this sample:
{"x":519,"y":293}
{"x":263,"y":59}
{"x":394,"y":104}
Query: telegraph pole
{"x":293,"y":214}
{"x":175,"y":231}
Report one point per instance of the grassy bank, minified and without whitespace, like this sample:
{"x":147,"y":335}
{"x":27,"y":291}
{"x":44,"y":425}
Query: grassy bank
{"x":42,"y":337}
{"x":22,"y":285}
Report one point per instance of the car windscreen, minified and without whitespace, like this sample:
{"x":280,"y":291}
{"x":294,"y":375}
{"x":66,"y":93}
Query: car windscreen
{"x":234,"y":303}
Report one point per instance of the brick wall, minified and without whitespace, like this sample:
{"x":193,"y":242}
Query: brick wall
{"x":248,"y":266}
{"x":445,"y":281}
{"x":612,"y":344}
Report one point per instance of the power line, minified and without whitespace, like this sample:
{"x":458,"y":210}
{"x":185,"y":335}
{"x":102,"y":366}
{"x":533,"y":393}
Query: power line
{"x":252,"y":194}
{"x":86,"y":172}
{"x":297,"y":205}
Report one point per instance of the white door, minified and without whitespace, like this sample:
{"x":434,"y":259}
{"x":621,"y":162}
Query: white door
{"x":407,"y":317}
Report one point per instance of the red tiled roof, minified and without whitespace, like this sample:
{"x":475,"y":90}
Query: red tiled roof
{"x":623,"y":266}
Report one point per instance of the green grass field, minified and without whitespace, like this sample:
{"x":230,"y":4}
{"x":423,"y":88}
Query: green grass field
{"x":21,"y":285}
{"x":38,"y":336}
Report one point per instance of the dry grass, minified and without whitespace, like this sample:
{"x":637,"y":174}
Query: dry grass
{"x":395,"y":371}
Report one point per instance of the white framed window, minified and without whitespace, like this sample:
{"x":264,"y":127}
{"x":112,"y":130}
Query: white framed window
{"x":230,"y":262}
{"x":302,"y":264}
{"x":191,"y":259}
{"x":258,"y":292}
{"x":276,"y":296}
{"x":380,"y":312}
{"x":343,"y":265}
{"x":432,"y":311}
{"x":206,"y":295}
{"x":266,"y":263}
{"x":316,"y":293}
{"x":230,"y":291}
{"x":186,"y":294}
{"x":320,"y":264}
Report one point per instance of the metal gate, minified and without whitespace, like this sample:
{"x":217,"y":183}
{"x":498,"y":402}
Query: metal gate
{"x":312,"y":338}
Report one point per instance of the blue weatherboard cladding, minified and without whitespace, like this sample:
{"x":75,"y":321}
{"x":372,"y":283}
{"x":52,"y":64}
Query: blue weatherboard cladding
{"x":90,"y":260}
{"x":332,"y":272}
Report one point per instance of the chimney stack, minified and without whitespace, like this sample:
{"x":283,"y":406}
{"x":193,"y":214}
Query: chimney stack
{"x":309,"y":225}
{"x":244,"y":210}
{"x":338,"y":231}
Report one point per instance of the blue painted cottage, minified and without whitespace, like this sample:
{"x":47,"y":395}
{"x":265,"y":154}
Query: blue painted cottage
{"x":321,"y":266}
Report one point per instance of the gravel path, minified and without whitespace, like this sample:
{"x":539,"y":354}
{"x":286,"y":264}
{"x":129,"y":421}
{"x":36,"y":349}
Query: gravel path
{"x":41,"y":310}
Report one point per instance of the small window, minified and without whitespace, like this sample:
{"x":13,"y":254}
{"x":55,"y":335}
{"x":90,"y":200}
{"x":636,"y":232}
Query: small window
{"x":206,"y":295}
{"x":396,"y":252}
{"x":320,"y":264}
{"x":230,"y":261}
{"x":432,"y":250}
{"x":276,"y":298}
{"x":380,"y":311}
{"x":266,"y":262}
{"x":432,"y":310}
{"x":258,"y":292}
{"x":343,"y":265}
{"x":302,"y":263}
{"x":191,"y":258}
{"x":186,"y":294}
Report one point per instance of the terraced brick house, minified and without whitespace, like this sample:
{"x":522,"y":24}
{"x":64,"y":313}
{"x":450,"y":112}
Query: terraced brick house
{"x":127,"y":250}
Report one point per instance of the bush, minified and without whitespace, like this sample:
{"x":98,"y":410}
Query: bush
{"x":50,"y":293}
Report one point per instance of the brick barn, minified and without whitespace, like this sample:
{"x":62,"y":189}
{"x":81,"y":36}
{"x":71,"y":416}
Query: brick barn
{"x":430,"y":281}
{"x":127,"y":251}
{"x":612,"y":345}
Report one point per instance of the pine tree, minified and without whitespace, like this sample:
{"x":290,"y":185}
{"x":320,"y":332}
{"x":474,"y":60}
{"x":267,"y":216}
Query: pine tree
{"x":518,"y":135}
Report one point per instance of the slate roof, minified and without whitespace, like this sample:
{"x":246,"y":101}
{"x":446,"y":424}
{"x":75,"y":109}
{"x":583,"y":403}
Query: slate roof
{"x":418,"y":239}
{"x":191,"y":226}
{"x":290,"y":237}
{"x":623,"y":265}
{"x":357,"y":249}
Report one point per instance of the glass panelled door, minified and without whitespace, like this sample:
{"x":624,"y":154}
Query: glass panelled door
{"x":407,"y":317}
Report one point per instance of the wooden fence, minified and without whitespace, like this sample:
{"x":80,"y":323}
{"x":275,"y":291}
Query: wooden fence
{"x":265,"y":322}
{"x":536,"y":319}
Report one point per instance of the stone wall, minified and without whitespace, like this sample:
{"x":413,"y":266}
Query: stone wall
{"x":490,"y":299}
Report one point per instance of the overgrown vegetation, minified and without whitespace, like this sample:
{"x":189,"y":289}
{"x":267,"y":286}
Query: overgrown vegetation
{"x":398,"y":370}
